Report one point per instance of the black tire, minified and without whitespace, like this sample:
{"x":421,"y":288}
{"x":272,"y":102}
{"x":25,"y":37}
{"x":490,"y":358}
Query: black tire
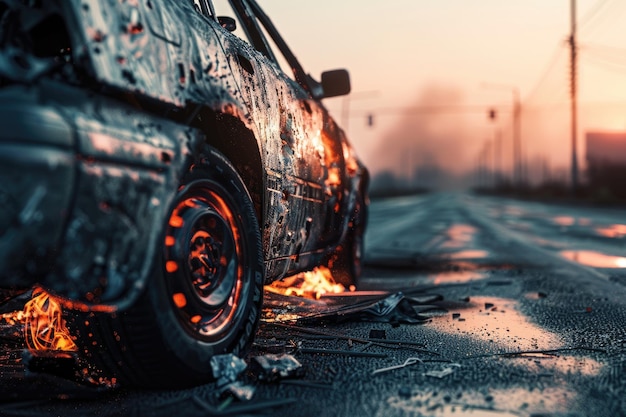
{"x":346,"y":264}
{"x":205,"y":293}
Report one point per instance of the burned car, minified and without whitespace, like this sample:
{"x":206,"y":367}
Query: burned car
{"x":161,"y":161}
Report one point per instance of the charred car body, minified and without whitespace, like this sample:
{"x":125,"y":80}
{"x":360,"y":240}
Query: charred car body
{"x":158,"y":168}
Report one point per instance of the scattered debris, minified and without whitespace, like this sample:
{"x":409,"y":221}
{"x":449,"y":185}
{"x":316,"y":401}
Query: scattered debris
{"x":538,"y":351}
{"x":271,"y":367}
{"x":226,"y":369}
{"x":385,"y":343}
{"x":395,"y":309}
{"x":239,"y":390}
{"x":408,"y":362}
{"x":444,"y":372}
{"x":343,"y":352}
{"x":377,"y":334}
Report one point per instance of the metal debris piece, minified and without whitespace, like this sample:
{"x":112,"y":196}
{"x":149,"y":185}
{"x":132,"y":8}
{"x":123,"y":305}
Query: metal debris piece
{"x":395,"y":309}
{"x":409,"y":361}
{"x":385,"y":306}
{"x":226,"y":368}
{"x":273,"y":367}
{"x":378,"y":334}
{"x":444,"y":372}
{"x":239,"y":390}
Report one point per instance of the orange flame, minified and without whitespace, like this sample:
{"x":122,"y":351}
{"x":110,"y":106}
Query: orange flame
{"x":45,"y":328}
{"x":312,"y":284}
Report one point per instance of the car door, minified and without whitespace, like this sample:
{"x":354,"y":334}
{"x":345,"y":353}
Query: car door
{"x":302,"y":155}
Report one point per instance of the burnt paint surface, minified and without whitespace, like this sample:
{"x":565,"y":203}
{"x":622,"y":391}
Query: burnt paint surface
{"x":97,"y":224}
{"x":122,"y":165}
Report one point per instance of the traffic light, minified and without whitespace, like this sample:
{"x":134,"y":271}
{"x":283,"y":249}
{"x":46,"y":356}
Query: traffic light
{"x":492,"y":114}
{"x":370,"y":120}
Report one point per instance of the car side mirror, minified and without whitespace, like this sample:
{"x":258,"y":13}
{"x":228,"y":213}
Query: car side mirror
{"x":336,"y":83}
{"x":227,"y":23}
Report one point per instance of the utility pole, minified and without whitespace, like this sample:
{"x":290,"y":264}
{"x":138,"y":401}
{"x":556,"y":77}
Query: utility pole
{"x":517,"y":136}
{"x":498,"y":157}
{"x":573,"y":95}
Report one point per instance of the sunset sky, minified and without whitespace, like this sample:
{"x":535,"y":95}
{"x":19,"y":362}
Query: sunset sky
{"x":407,"y":53}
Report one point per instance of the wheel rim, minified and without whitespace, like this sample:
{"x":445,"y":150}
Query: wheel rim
{"x":204,"y":262}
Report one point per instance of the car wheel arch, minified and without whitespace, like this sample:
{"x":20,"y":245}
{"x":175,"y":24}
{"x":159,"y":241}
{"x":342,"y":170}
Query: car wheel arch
{"x":230,"y":136}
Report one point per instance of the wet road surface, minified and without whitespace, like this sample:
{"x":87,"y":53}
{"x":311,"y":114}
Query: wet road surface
{"x":522,"y":311}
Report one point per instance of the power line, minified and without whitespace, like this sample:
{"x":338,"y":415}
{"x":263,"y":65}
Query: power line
{"x":589,"y":20}
{"x":592,"y":13}
{"x":605,"y":63}
{"x":614,"y":51}
{"x":556,"y":55}
{"x":444,"y":108}
{"x":610,"y":18}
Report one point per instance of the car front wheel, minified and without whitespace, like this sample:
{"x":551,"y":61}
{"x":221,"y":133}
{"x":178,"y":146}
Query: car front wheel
{"x":205,"y":293}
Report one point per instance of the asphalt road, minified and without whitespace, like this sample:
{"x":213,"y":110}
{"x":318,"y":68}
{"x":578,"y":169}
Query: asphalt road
{"x":519,"y":310}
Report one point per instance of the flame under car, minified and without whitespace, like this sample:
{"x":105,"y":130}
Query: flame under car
{"x":159,"y":163}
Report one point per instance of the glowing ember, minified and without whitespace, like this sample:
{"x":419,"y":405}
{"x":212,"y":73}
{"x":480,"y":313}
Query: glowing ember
{"x":13,"y":318}
{"x":311,"y":284}
{"x":45,"y":328}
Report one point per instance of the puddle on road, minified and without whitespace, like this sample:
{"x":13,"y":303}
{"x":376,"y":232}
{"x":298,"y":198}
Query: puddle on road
{"x":548,"y":243}
{"x":514,"y":211}
{"x":497,"y":403}
{"x":564,"y":220}
{"x":498,"y":320}
{"x":469,"y":254}
{"x":456,"y":277}
{"x":594,"y":259}
{"x":614,"y":231}
{"x":546,"y":364}
{"x":404,"y":283}
{"x":459,"y":235}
